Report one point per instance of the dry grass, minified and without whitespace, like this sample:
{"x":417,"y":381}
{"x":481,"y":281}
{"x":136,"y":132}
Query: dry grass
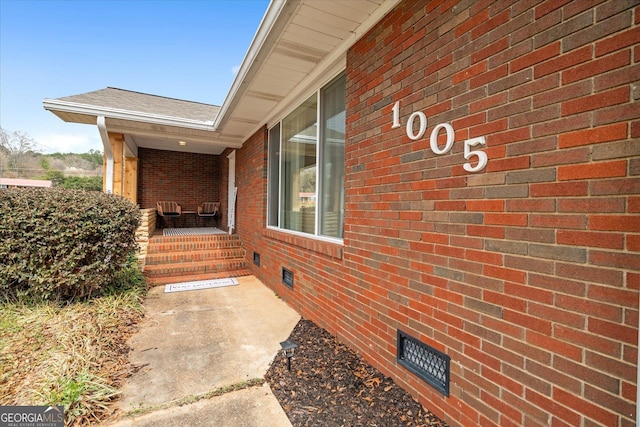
{"x":73,"y":355}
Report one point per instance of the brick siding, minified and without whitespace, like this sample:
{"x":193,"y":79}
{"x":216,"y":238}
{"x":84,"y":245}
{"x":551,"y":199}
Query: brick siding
{"x":526,"y":273}
{"x":187,"y":178}
{"x":252,"y":189}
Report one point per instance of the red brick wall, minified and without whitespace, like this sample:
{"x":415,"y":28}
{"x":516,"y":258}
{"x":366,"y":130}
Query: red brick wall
{"x":316,"y":265}
{"x":187,"y":178}
{"x":526,"y":273}
{"x":251,"y":174}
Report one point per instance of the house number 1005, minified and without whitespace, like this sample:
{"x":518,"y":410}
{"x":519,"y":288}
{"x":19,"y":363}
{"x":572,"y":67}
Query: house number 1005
{"x":433,"y":139}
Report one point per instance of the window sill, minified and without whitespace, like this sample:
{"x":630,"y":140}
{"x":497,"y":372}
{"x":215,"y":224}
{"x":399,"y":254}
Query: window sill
{"x":332,"y":249}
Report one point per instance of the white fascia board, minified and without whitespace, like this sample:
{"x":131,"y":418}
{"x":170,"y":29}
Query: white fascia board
{"x":310,"y":85}
{"x":116,"y":113}
{"x":104,"y":136}
{"x":265,"y":31}
{"x":326,"y":70}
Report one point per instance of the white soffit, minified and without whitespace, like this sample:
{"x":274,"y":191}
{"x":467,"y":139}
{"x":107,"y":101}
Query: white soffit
{"x":171,"y":144}
{"x":299,"y":45}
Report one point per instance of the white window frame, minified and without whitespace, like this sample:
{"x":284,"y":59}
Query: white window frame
{"x":319,"y":156}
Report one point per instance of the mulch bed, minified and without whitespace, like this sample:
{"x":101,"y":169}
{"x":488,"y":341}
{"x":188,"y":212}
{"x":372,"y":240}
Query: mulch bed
{"x":330,"y":385}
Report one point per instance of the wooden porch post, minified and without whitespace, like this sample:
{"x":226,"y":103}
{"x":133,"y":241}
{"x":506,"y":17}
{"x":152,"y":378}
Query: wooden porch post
{"x":125,"y":169}
{"x":131,"y":179}
{"x":117,"y":147}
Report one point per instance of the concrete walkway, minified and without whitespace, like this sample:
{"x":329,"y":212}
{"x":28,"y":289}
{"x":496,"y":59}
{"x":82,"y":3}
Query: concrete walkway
{"x":194,"y":343}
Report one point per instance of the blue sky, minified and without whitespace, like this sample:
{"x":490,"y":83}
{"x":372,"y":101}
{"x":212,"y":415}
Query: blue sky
{"x":179,"y":49}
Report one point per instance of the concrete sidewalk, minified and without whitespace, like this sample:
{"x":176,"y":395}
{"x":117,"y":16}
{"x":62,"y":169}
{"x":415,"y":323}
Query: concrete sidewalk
{"x":195,"y":342}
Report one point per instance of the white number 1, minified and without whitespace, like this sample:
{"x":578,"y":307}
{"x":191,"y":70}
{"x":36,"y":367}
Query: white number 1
{"x":396,"y":115}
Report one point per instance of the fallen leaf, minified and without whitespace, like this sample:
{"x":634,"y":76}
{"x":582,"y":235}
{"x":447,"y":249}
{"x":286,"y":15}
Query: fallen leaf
{"x":372,"y":382}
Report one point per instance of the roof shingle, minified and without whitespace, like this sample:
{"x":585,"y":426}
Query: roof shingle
{"x":121,"y":99}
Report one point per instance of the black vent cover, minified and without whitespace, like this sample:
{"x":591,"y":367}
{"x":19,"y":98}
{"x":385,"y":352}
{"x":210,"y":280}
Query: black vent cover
{"x":287,"y":277}
{"x":425,"y":361}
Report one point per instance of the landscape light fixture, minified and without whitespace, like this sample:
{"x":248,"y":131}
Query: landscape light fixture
{"x":288,"y":347}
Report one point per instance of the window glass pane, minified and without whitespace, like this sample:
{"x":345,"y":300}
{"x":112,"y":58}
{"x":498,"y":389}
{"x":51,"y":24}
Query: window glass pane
{"x":298,"y":164}
{"x":274,"y":175}
{"x":332,"y":163}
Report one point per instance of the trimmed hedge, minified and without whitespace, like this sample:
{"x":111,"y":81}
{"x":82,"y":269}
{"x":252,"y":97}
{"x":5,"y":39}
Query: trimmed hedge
{"x":61,"y":244}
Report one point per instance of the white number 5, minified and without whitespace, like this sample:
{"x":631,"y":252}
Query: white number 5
{"x":481,"y":155}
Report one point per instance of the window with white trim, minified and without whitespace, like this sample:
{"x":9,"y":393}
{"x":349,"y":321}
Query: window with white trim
{"x":306,"y":165}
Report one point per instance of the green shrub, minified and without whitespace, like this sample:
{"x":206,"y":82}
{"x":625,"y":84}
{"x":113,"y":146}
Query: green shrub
{"x":91,"y":183}
{"x":62,"y":244}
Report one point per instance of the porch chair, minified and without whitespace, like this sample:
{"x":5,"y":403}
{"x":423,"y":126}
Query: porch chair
{"x":168,"y":210}
{"x":209,"y":210}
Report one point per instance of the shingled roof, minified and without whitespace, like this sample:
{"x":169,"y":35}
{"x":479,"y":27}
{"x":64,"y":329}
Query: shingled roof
{"x":120,"y":99}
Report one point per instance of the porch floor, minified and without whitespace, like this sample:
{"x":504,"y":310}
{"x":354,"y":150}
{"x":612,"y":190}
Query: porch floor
{"x":192,"y":231}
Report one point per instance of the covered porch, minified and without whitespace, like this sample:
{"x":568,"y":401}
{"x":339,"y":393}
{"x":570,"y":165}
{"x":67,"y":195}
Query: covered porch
{"x":159,"y":149}
{"x":155,"y":148}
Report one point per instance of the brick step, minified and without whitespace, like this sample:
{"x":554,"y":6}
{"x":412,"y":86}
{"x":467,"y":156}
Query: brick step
{"x":165,"y":280}
{"x":194,"y":238}
{"x":191,"y":246}
{"x":173,"y":257}
{"x":194,"y":268}
{"x":192,"y":243}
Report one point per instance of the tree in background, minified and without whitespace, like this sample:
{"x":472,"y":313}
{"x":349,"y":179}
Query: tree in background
{"x":16,"y":148}
{"x":308,"y":180}
{"x":19,"y":158}
{"x":58,"y":178}
{"x":89,"y":161}
{"x":92,"y":183}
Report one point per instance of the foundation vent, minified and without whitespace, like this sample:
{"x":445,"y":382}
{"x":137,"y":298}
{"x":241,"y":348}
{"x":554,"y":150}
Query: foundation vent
{"x":287,"y":277}
{"x":425,"y":361}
